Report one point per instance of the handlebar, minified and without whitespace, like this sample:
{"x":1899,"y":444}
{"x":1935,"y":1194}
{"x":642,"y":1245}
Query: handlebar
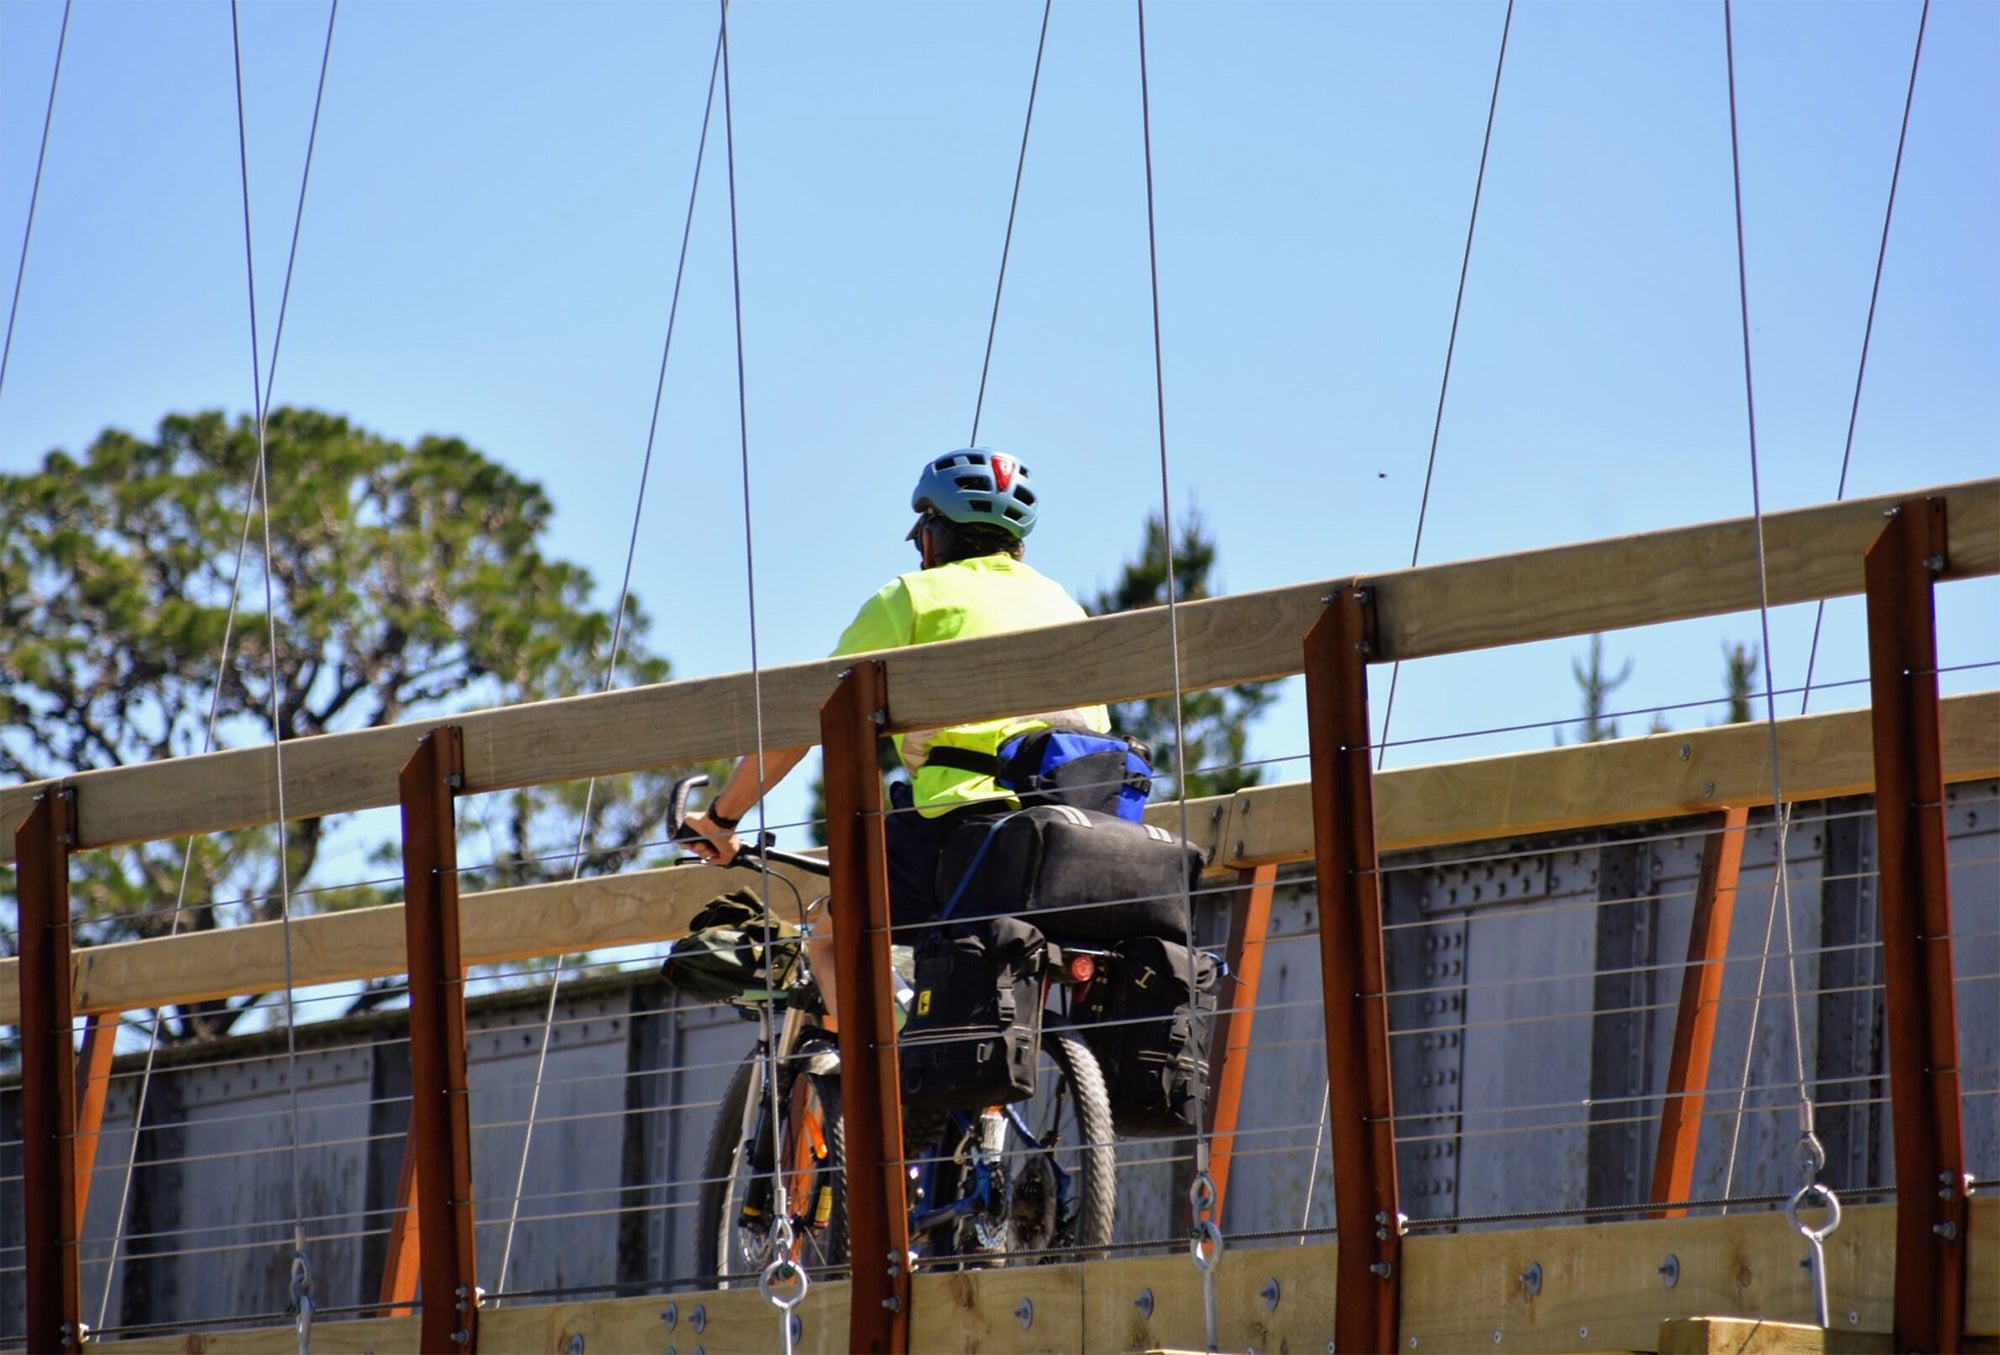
{"x":751,"y":853}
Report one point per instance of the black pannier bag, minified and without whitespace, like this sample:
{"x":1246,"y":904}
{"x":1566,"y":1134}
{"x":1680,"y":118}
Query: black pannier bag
{"x":1082,"y":876}
{"x":974,"y":1034}
{"x":1149,"y":1026}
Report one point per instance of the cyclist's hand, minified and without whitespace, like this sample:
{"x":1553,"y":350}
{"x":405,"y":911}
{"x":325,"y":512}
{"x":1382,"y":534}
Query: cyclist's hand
{"x":709,"y":840}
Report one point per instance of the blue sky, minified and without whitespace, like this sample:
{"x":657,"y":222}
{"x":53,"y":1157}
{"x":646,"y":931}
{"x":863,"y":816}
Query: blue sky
{"x":495,"y":210}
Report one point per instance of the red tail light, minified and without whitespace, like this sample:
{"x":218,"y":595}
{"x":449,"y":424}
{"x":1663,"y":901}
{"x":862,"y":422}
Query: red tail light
{"x":1082,"y":968}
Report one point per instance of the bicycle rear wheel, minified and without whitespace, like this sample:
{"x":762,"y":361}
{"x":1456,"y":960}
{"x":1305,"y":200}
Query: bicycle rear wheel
{"x":1051,"y":1188}
{"x":733,"y":1221}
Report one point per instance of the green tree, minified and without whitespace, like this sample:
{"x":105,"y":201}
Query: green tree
{"x":1217,"y":721}
{"x":407,"y":582}
{"x":1596,"y":687}
{"x":1739,"y":676}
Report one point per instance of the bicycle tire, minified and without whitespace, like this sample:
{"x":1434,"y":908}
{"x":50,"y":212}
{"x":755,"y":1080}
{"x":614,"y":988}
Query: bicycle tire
{"x":816,"y":1137}
{"x":1070,"y":1115}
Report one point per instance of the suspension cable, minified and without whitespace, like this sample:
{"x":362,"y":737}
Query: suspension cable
{"x":1811,"y":1156}
{"x":35,"y":195}
{"x":782,"y":1264}
{"x":1450,"y":349}
{"x":617,"y":641}
{"x":1868,"y":329}
{"x":1205,"y":1240}
{"x":1013,"y":207}
{"x":301,"y":1272}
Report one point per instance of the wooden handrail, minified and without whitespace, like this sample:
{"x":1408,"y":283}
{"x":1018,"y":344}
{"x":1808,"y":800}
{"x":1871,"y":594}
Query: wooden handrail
{"x":1628,"y":581}
{"x":1587,"y":785}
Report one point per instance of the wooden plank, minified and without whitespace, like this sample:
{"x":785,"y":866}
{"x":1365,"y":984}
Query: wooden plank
{"x":1302,"y":1318}
{"x":1513,"y":795}
{"x":1601,"y":1290}
{"x":981,"y":1310}
{"x":638,"y":908}
{"x":1757,"y":1336}
{"x":1982,"y":1264}
{"x":1601,"y":1286}
{"x":1655,"y":776}
{"x":1636,"y":580}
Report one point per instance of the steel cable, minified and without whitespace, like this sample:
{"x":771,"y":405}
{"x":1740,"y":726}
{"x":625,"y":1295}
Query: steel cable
{"x":34,"y":194}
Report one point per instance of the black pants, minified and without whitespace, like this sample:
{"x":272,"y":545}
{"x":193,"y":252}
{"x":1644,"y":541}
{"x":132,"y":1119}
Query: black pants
{"x":913,"y":843}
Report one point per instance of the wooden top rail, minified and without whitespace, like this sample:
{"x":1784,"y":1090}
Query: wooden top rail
{"x":1659,"y":576}
{"x":1587,"y":785}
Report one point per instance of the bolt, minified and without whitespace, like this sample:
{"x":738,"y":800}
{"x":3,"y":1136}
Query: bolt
{"x":1025,"y":1314}
{"x":1496,"y":1338}
{"x":1707,"y":789}
{"x":575,"y":1346}
{"x":1326,"y":600}
{"x":699,"y":1319}
{"x":1583,"y":1331}
{"x":1853,"y":1318}
{"x":1934,"y":563}
{"x":1269,"y":1293}
{"x":1381,"y":1269}
{"x":1413,"y":1343}
{"x":1144,"y":1303}
{"x":1670,"y":1271}
{"x":671,"y":1315}
{"x":1686,"y":752}
{"x":1239,"y":847}
{"x":1946,"y":1230}
{"x":878,"y":717}
{"x":461,"y":1337}
{"x":1365,"y":646}
{"x":893,"y":1304}
{"x":456,"y":780}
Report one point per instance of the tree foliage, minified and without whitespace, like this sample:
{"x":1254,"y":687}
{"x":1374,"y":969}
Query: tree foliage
{"x":1739,"y":677}
{"x":405,"y":582}
{"x":1596,"y":688}
{"x":1216,"y":722}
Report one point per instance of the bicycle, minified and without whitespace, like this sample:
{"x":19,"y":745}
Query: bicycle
{"x":1030,"y":1181}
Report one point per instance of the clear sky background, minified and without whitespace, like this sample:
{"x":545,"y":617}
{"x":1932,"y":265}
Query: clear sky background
{"x":489,"y":242}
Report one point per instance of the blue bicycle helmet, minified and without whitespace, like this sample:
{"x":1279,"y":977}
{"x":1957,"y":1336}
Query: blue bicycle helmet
{"x":978,"y":485}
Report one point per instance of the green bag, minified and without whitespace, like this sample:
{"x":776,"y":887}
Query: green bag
{"x":722,"y":958}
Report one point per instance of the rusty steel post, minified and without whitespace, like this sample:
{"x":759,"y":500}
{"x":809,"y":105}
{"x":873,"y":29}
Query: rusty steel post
{"x":48,"y":1075}
{"x":878,"y":1215}
{"x":1249,"y":924}
{"x":440,"y":1123}
{"x":1353,"y":969}
{"x":1920,"y":1003}
{"x":1701,"y":1001}
{"x":100,"y":1040}
{"x":400,"y":1262}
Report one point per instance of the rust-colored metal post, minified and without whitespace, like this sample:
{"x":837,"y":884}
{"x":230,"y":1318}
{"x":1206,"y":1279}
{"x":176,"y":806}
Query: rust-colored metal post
{"x":1920,"y":1004}
{"x":100,"y":1040}
{"x":878,"y":1212}
{"x":1368,"y":1277}
{"x":440,"y":1119}
{"x":1249,"y":924}
{"x":1701,"y":1001}
{"x":48,"y":1075}
{"x":400,"y":1264}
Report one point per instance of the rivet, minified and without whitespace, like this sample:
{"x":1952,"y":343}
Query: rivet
{"x":1269,"y":1293}
{"x":698,"y":1319}
{"x":671,"y":1315}
{"x":1144,"y":1303}
{"x":1670,"y":1271}
{"x":1025,"y":1314}
{"x":1531,"y":1278}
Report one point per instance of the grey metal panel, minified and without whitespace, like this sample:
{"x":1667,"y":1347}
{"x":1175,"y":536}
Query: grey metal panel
{"x":1972,"y":816}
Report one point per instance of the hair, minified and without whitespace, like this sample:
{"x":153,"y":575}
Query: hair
{"x":954,"y":541}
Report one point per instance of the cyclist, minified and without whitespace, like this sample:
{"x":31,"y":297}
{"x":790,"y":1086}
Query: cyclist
{"x":975,"y":508}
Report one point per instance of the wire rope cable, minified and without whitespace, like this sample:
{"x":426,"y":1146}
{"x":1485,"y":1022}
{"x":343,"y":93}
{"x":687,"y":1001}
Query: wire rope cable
{"x":1205,"y":1238}
{"x":783,"y":1266}
{"x":1013,"y":209}
{"x":301,"y":1270}
{"x":35,"y":194}
{"x":1868,"y":329}
{"x":1450,"y":351}
{"x":1811,"y":1155}
{"x":577,"y":853}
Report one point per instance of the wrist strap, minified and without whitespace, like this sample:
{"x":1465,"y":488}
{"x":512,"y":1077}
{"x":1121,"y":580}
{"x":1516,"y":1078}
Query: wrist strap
{"x":721,"y":820}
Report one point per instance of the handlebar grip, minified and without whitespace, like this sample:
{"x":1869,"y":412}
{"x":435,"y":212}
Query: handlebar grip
{"x":677,"y":800}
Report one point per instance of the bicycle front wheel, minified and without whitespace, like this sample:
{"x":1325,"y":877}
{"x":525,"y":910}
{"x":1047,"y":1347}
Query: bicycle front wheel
{"x":739,"y":1198}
